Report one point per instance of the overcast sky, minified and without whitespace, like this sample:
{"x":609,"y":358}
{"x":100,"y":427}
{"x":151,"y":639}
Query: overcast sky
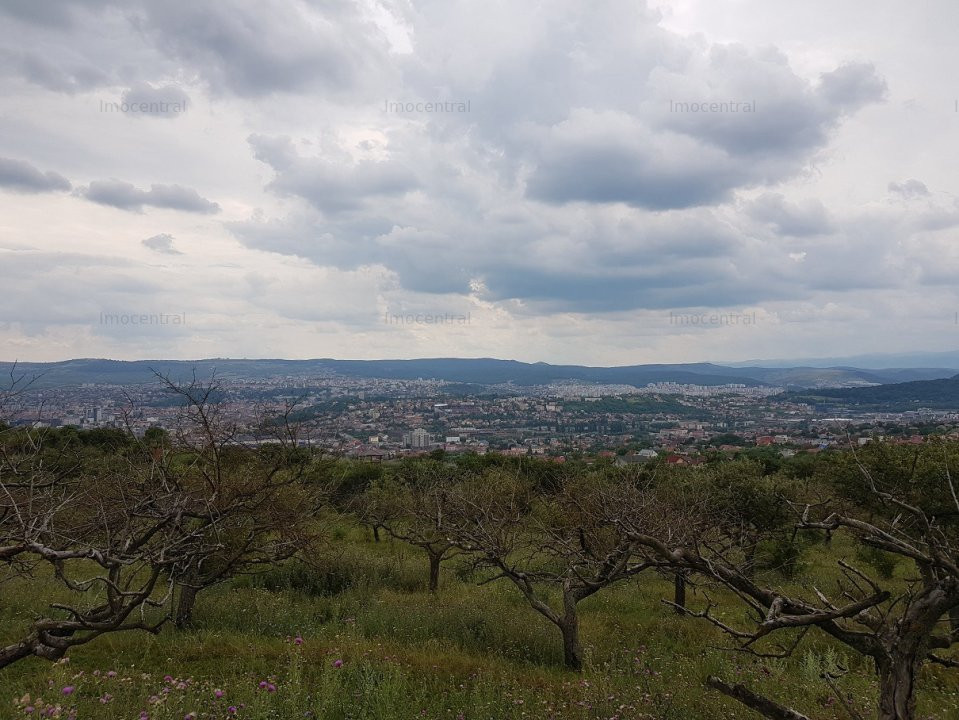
{"x":601,"y":183}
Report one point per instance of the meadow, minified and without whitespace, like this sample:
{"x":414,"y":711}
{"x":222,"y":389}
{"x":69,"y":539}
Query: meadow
{"x":356,"y":634}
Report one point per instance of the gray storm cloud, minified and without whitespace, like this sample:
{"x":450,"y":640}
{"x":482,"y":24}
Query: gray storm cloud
{"x":125,"y":196}
{"x":21,"y":176}
{"x":609,"y":160}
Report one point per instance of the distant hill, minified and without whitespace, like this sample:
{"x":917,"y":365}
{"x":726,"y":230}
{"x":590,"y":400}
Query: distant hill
{"x":874,"y":361}
{"x":939,"y":394}
{"x":466,"y":371}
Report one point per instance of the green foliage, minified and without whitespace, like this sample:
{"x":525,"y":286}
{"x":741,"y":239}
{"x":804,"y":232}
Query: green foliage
{"x":728,"y":439}
{"x":784,"y":555}
{"x":323,"y":581}
{"x":828,"y":661}
{"x":348,"y":479}
{"x":767,"y":457}
{"x":474,"y":650}
{"x":477,"y":649}
{"x":156,"y":437}
{"x":743,"y":492}
{"x":882,"y":562}
{"x":917,"y":474}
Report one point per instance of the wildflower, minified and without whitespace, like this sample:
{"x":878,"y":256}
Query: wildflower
{"x":68,"y":690}
{"x":337,"y":663}
{"x":218,"y":693}
{"x":298,"y":640}
{"x":271,"y":688}
{"x":105,"y":698}
{"x":263,"y":684}
{"x":111,"y":674}
{"x":231,"y":709}
{"x":167,"y":678}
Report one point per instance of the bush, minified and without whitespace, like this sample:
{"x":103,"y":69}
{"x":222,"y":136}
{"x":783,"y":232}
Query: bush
{"x":324,"y":581}
{"x":784,"y":555}
{"x":882,"y":562}
{"x":331,"y":576}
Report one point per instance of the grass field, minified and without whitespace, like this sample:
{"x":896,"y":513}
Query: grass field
{"x":375,"y":644}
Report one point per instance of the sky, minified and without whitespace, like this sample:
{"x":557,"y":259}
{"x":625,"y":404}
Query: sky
{"x":602,"y":183}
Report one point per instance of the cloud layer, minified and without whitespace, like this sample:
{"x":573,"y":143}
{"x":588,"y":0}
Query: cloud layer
{"x":568,"y":173}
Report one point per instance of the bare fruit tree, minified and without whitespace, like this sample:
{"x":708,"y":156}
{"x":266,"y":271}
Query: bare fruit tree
{"x":900,"y":626}
{"x":412,"y":506}
{"x":249,"y":507}
{"x":547,"y":546}
{"x":106,"y":544}
{"x":114,"y":534}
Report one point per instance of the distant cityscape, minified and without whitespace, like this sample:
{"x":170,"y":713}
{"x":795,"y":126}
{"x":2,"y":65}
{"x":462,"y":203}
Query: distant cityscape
{"x":380,"y":419}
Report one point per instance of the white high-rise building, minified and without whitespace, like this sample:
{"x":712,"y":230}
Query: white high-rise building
{"x":419,"y":438}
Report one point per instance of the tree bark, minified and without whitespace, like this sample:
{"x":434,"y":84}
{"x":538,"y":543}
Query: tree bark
{"x":749,"y":551}
{"x":569,"y":626}
{"x":435,"y":561}
{"x":376,"y":533}
{"x":679,"y":593}
{"x":906,"y":645}
{"x":17,"y":651}
{"x":897,"y":687}
{"x":185,"y":605}
{"x":764,"y":706}
{"x":954,"y":618}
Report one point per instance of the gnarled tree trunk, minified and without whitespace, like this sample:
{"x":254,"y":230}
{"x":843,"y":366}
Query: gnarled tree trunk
{"x":186,"y":601}
{"x":906,"y":645}
{"x":569,"y":626}
{"x":679,"y":592}
{"x":897,"y":687}
{"x":436,"y":559}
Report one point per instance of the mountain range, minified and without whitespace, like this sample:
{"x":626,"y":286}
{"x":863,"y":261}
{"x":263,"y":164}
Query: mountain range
{"x":478,"y":371}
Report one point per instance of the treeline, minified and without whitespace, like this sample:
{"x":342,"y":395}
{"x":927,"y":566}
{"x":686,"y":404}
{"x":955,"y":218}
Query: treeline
{"x":138,"y":528}
{"x":942,"y":394}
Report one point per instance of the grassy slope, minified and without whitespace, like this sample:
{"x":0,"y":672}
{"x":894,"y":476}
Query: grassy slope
{"x":472,"y":652}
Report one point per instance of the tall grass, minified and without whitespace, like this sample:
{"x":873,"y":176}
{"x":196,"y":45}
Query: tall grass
{"x":375,"y":644}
